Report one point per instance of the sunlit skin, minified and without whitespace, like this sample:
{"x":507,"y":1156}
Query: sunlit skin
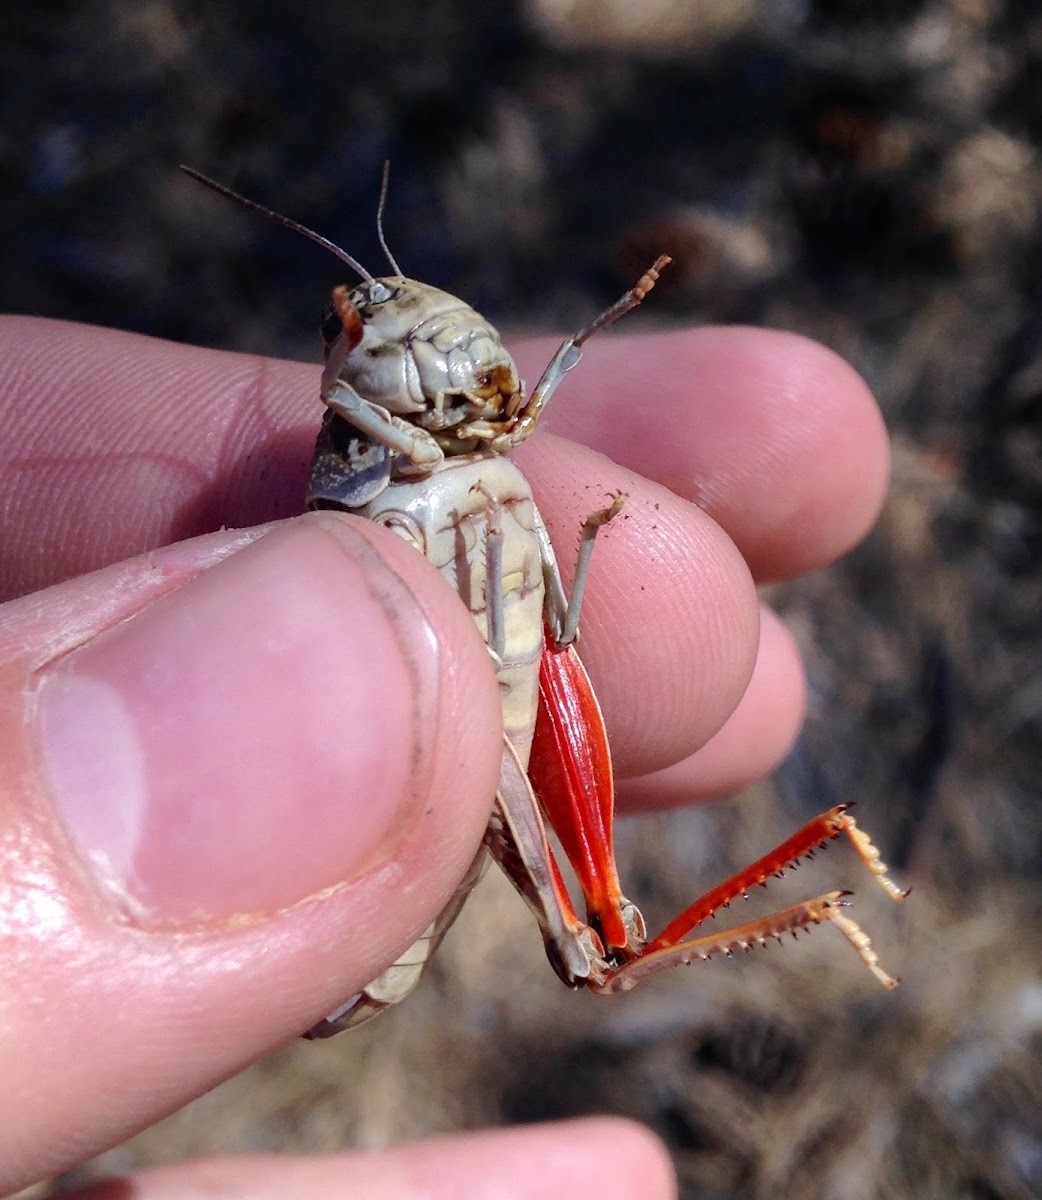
{"x":745,"y":456}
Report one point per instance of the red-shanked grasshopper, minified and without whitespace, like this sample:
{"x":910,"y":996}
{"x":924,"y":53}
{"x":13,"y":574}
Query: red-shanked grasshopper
{"x":422,"y":404}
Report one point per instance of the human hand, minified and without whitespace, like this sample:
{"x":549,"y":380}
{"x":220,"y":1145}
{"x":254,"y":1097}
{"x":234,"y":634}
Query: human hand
{"x":242,"y":772}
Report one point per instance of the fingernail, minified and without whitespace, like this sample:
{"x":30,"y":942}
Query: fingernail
{"x":250,"y":740}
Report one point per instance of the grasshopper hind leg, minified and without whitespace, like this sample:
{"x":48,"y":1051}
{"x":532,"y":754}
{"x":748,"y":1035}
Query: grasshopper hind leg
{"x":400,"y":979}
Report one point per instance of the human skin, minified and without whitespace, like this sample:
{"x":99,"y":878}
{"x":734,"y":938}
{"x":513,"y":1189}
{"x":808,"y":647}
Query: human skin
{"x":242,"y":767}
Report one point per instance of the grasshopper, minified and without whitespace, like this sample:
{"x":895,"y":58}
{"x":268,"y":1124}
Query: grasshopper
{"x":423,"y":406}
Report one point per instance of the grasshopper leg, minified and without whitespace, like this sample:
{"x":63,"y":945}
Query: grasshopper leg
{"x":400,"y":979}
{"x":674,"y":945}
{"x":563,"y":612}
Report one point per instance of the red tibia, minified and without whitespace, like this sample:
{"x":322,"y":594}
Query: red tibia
{"x":746,"y":937}
{"x":570,"y":770}
{"x":822,"y":829}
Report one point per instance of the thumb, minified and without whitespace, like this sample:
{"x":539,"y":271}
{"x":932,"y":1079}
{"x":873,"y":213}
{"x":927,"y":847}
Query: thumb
{"x":239,"y":776}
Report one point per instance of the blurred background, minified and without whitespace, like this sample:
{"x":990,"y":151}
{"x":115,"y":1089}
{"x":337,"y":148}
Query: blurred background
{"x":866,"y":173}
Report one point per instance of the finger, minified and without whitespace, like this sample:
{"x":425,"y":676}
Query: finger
{"x":773,"y":435}
{"x":240,"y":776}
{"x":686,"y":632}
{"x":540,"y":1162}
{"x":115,"y":444}
{"x":752,"y":742}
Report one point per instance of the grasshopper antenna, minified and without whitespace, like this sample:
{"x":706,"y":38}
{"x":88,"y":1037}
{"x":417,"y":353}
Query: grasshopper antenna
{"x":380,"y":217}
{"x":279,"y":219}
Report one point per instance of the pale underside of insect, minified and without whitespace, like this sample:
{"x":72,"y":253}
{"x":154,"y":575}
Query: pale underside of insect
{"x":423,"y":403}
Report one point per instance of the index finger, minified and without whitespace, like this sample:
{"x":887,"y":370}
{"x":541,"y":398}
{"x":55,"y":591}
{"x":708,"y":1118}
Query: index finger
{"x":120,"y":444}
{"x":774,"y":436}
